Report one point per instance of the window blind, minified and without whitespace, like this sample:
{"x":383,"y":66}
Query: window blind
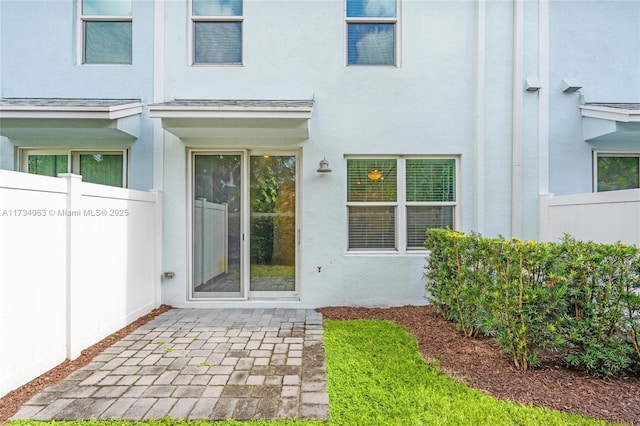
{"x":430,"y":180}
{"x":422,"y":218}
{"x":372,"y":180}
{"x":372,"y":227}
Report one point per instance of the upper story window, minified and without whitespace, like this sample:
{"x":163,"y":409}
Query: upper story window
{"x":615,"y":171}
{"x":392,"y":202}
{"x":217,"y":31}
{"x":372,"y":32}
{"x":106,"y":31}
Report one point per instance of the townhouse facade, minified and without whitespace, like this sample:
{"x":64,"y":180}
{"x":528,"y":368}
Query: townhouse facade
{"x":304,"y":147}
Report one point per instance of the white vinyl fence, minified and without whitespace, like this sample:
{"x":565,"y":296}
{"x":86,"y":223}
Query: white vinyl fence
{"x":603,"y":217}
{"x":210,"y":240}
{"x":78,"y":262}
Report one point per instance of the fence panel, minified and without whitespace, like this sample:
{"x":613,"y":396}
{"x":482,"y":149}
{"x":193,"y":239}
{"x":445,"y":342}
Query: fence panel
{"x":33,"y":262}
{"x":603,"y":217}
{"x":79,"y":261}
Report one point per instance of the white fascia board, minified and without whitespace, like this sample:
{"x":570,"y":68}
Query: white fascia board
{"x":228,"y":112}
{"x":71,"y":112}
{"x":608,"y":113}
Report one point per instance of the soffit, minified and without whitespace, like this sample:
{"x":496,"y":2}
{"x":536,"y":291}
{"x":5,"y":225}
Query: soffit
{"x":611,"y":122}
{"x":235,"y":120}
{"x":45,"y":120}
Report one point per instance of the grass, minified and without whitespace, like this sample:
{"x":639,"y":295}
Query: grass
{"x":377,"y":377}
{"x":273,"y":271}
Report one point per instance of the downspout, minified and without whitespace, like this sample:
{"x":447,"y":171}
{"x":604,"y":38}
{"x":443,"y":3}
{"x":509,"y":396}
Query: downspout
{"x":543,"y":117}
{"x":479,"y":118}
{"x":158,"y":140}
{"x":158,"y":91}
{"x":517,"y":136}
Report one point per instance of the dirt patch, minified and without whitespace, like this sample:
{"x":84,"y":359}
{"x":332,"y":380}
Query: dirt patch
{"x":11,"y":402}
{"x":481,"y":364}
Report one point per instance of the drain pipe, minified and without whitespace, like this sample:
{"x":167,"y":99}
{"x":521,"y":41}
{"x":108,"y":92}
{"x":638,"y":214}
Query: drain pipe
{"x":479,"y":118}
{"x":543,"y":119}
{"x":517,"y":135}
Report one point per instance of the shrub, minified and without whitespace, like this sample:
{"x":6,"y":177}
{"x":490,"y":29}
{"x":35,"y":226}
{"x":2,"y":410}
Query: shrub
{"x":457,"y":278}
{"x":582,"y":298}
{"x":527,"y":304}
{"x":603,"y":298}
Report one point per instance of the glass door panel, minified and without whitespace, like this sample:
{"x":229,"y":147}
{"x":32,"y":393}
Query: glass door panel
{"x":217,"y":231}
{"x":272,"y":223}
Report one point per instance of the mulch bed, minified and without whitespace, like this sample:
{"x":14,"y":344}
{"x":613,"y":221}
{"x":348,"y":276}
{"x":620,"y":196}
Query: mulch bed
{"x":481,"y":364}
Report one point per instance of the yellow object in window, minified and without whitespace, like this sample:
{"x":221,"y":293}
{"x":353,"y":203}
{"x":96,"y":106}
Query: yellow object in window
{"x":374,"y":174}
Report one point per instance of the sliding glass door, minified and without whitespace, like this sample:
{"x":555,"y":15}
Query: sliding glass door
{"x":273,"y":224}
{"x":217,"y":225}
{"x":244,"y":225}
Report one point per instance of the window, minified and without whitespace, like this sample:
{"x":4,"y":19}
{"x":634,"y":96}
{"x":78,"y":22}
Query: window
{"x":217,"y":31}
{"x":371,"y":32}
{"x":616,"y":171}
{"x":392,"y":202}
{"x":103,"y":167}
{"x":107,"y":31}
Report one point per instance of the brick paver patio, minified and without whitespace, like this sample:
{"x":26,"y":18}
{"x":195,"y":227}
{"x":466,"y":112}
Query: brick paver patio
{"x":200,"y":364}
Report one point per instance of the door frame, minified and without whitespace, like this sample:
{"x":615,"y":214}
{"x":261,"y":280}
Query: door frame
{"x":245,"y":229}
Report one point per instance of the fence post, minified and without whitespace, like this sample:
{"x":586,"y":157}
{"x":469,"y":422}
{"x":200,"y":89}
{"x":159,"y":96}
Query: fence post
{"x":72,"y":213}
{"x":157,"y":231}
{"x":545,"y":219}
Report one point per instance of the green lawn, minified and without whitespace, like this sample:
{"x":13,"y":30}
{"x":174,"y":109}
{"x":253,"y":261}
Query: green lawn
{"x":377,"y":377}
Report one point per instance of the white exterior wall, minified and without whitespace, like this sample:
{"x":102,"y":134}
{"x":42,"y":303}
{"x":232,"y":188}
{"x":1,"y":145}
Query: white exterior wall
{"x":606,"y":63}
{"x":40,"y":45}
{"x":458,"y":89}
{"x":425,"y":106}
{"x":78,"y":262}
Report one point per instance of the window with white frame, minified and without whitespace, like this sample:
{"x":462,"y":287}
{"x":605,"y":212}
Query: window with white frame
{"x":106,"y":31}
{"x":106,"y":167}
{"x":217,"y":31}
{"x":615,"y":171}
{"x":372,"y":32}
{"x":392,"y":202}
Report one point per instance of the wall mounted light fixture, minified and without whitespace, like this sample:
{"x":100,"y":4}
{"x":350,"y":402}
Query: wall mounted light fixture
{"x":324,"y":166}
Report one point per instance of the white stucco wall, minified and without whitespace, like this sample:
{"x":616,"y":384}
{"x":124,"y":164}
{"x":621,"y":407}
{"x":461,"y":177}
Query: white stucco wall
{"x":606,"y":62}
{"x":458,"y":90}
{"x":425,"y":106}
{"x":39,"y":45}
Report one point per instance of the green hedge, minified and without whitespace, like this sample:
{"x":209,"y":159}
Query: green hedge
{"x":580,"y":298}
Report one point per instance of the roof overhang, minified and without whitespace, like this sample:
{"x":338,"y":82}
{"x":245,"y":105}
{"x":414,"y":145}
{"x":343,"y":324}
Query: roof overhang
{"x":611,"y":122}
{"x":235,"y":120}
{"x":37,"y":121}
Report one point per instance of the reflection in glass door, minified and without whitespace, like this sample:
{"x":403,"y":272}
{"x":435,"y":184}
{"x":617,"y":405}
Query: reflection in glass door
{"x":217,"y":230}
{"x":272,"y":224}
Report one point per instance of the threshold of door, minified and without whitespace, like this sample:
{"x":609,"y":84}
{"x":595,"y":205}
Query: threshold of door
{"x":274,"y":299}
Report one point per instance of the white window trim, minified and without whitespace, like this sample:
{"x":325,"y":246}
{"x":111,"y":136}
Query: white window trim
{"x":594,"y":168}
{"x":92,"y":18}
{"x":191,"y":44}
{"x":73,"y":158}
{"x":401,"y":203}
{"x":375,"y":20}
